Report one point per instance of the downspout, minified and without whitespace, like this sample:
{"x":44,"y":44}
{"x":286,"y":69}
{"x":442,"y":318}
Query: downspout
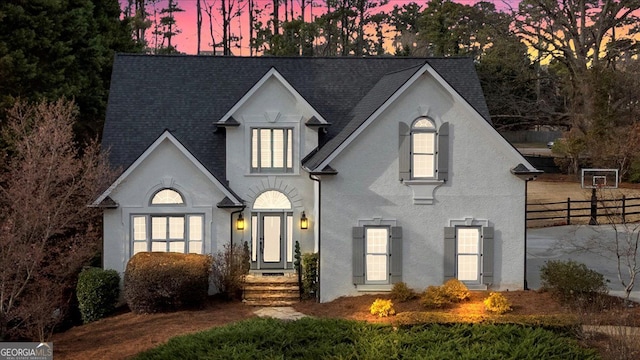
{"x":527,"y":175}
{"x":526,"y":196}
{"x":319,"y":223}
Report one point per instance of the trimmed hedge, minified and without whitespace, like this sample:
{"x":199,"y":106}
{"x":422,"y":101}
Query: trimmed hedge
{"x":156,"y":281}
{"x":97,"y":291}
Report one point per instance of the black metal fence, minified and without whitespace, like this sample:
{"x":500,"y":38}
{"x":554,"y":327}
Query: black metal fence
{"x":601,"y":211}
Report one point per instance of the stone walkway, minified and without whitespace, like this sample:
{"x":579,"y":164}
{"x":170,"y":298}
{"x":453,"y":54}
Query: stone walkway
{"x":282,"y":313}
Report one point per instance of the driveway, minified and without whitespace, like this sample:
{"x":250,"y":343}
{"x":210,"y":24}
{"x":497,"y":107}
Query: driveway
{"x":584,"y":244}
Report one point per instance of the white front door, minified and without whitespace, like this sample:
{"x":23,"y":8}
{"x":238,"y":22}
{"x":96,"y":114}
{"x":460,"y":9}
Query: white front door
{"x":468,"y":254}
{"x":272,"y":246}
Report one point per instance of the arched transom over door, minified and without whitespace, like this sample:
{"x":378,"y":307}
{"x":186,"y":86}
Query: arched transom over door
{"x":272,"y":231}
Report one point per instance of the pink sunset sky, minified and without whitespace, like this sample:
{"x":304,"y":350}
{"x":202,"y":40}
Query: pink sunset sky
{"x":186,"y":40}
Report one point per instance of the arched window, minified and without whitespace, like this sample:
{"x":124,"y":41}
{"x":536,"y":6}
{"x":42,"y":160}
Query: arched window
{"x":167,"y":197}
{"x":272,"y":200}
{"x":179,"y":231}
{"x":423,"y":149}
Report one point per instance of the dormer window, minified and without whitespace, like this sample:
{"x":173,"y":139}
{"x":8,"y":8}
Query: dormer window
{"x":272,"y":150}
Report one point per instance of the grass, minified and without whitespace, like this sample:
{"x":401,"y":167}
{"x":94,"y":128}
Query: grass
{"x":311,"y":338}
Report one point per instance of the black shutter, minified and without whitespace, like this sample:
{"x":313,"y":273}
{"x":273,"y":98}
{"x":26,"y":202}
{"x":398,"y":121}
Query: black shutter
{"x":487,"y":255}
{"x":404,"y":152}
{"x":358,"y":255}
{"x":449,"y":253}
{"x":396,"y":254}
{"x":443,"y":152}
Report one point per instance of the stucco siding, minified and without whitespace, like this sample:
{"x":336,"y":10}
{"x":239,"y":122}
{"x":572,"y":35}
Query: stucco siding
{"x":480,"y":186}
{"x":273,"y":106}
{"x":165,"y":167}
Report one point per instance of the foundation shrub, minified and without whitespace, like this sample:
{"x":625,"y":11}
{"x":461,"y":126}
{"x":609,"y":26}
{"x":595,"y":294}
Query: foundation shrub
{"x":497,"y":303}
{"x":228,"y":270}
{"x":97,"y":291}
{"x":435,"y":297}
{"x":309,"y":275}
{"x":456,"y":290}
{"x":572,"y":282}
{"x":382,"y":308}
{"x":156,"y":282}
{"x":401,"y":292}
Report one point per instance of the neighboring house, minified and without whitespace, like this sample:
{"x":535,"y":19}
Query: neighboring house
{"x":392,"y":163}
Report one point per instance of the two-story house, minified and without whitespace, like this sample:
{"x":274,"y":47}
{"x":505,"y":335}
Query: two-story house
{"x":389,"y":168}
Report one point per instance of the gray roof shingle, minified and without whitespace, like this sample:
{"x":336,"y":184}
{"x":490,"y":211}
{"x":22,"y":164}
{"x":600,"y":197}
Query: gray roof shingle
{"x":187,"y":95}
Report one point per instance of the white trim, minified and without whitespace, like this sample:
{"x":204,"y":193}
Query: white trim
{"x":426,"y":68}
{"x":469,"y":221}
{"x":275,"y":74}
{"x":166,"y":135}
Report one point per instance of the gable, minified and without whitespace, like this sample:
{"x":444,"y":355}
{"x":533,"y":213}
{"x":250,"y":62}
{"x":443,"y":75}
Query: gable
{"x":268,"y":96}
{"x":374,"y":104}
{"x":189,"y":95}
{"x":168,"y":144}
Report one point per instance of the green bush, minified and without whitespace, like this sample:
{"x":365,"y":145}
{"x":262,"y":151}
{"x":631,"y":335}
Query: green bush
{"x":158,"y":281}
{"x":310,"y":338}
{"x":456,"y":290}
{"x":97,"y":291}
{"x":309,"y":275}
{"x":382,"y":308}
{"x":401,"y":292}
{"x":435,"y":297}
{"x":571,"y":281}
{"x":497,"y":303}
{"x":229,"y":268}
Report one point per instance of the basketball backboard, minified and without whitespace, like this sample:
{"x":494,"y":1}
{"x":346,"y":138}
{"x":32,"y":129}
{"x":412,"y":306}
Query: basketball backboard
{"x":599,"y":178}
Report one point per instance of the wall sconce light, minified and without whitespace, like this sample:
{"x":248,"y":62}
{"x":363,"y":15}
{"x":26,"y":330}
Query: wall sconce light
{"x":304,"y":222}
{"x":240,"y":222}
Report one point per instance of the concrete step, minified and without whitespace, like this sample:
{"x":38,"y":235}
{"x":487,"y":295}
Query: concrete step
{"x":251,"y":294}
{"x":269,"y":302}
{"x":253,"y":279}
{"x":271,"y":290}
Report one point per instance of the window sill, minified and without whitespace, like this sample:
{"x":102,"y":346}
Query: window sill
{"x":374,"y":288}
{"x":423,"y":190}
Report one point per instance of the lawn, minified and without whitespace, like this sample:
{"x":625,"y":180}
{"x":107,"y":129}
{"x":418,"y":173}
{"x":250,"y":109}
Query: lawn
{"x":311,"y":338}
{"x":126,"y":334}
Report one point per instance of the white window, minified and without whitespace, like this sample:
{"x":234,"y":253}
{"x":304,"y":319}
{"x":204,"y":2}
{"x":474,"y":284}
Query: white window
{"x":169,"y":233}
{"x":377,"y":254}
{"x":468,"y":253}
{"x":271,"y":150}
{"x":423,"y":149}
{"x":167,"y":197}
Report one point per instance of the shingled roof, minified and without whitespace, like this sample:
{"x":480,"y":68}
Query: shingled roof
{"x":187,"y":95}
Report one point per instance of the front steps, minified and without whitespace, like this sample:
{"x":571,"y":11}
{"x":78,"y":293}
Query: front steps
{"x":271,"y":289}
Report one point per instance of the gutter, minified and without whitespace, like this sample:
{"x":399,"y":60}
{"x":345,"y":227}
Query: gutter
{"x":319,"y":222}
{"x":527,"y":175}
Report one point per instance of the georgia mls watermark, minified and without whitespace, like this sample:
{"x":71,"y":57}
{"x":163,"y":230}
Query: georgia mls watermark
{"x":26,"y":351}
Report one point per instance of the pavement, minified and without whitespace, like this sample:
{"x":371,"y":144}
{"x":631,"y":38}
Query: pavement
{"x":281,"y":312}
{"x":590,"y":245}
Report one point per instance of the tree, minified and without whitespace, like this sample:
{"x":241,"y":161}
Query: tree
{"x":48,"y":231}
{"x":168,"y":28}
{"x":135,"y":13}
{"x":578,"y":34}
{"x":51,"y":49}
{"x":404,"y":20}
